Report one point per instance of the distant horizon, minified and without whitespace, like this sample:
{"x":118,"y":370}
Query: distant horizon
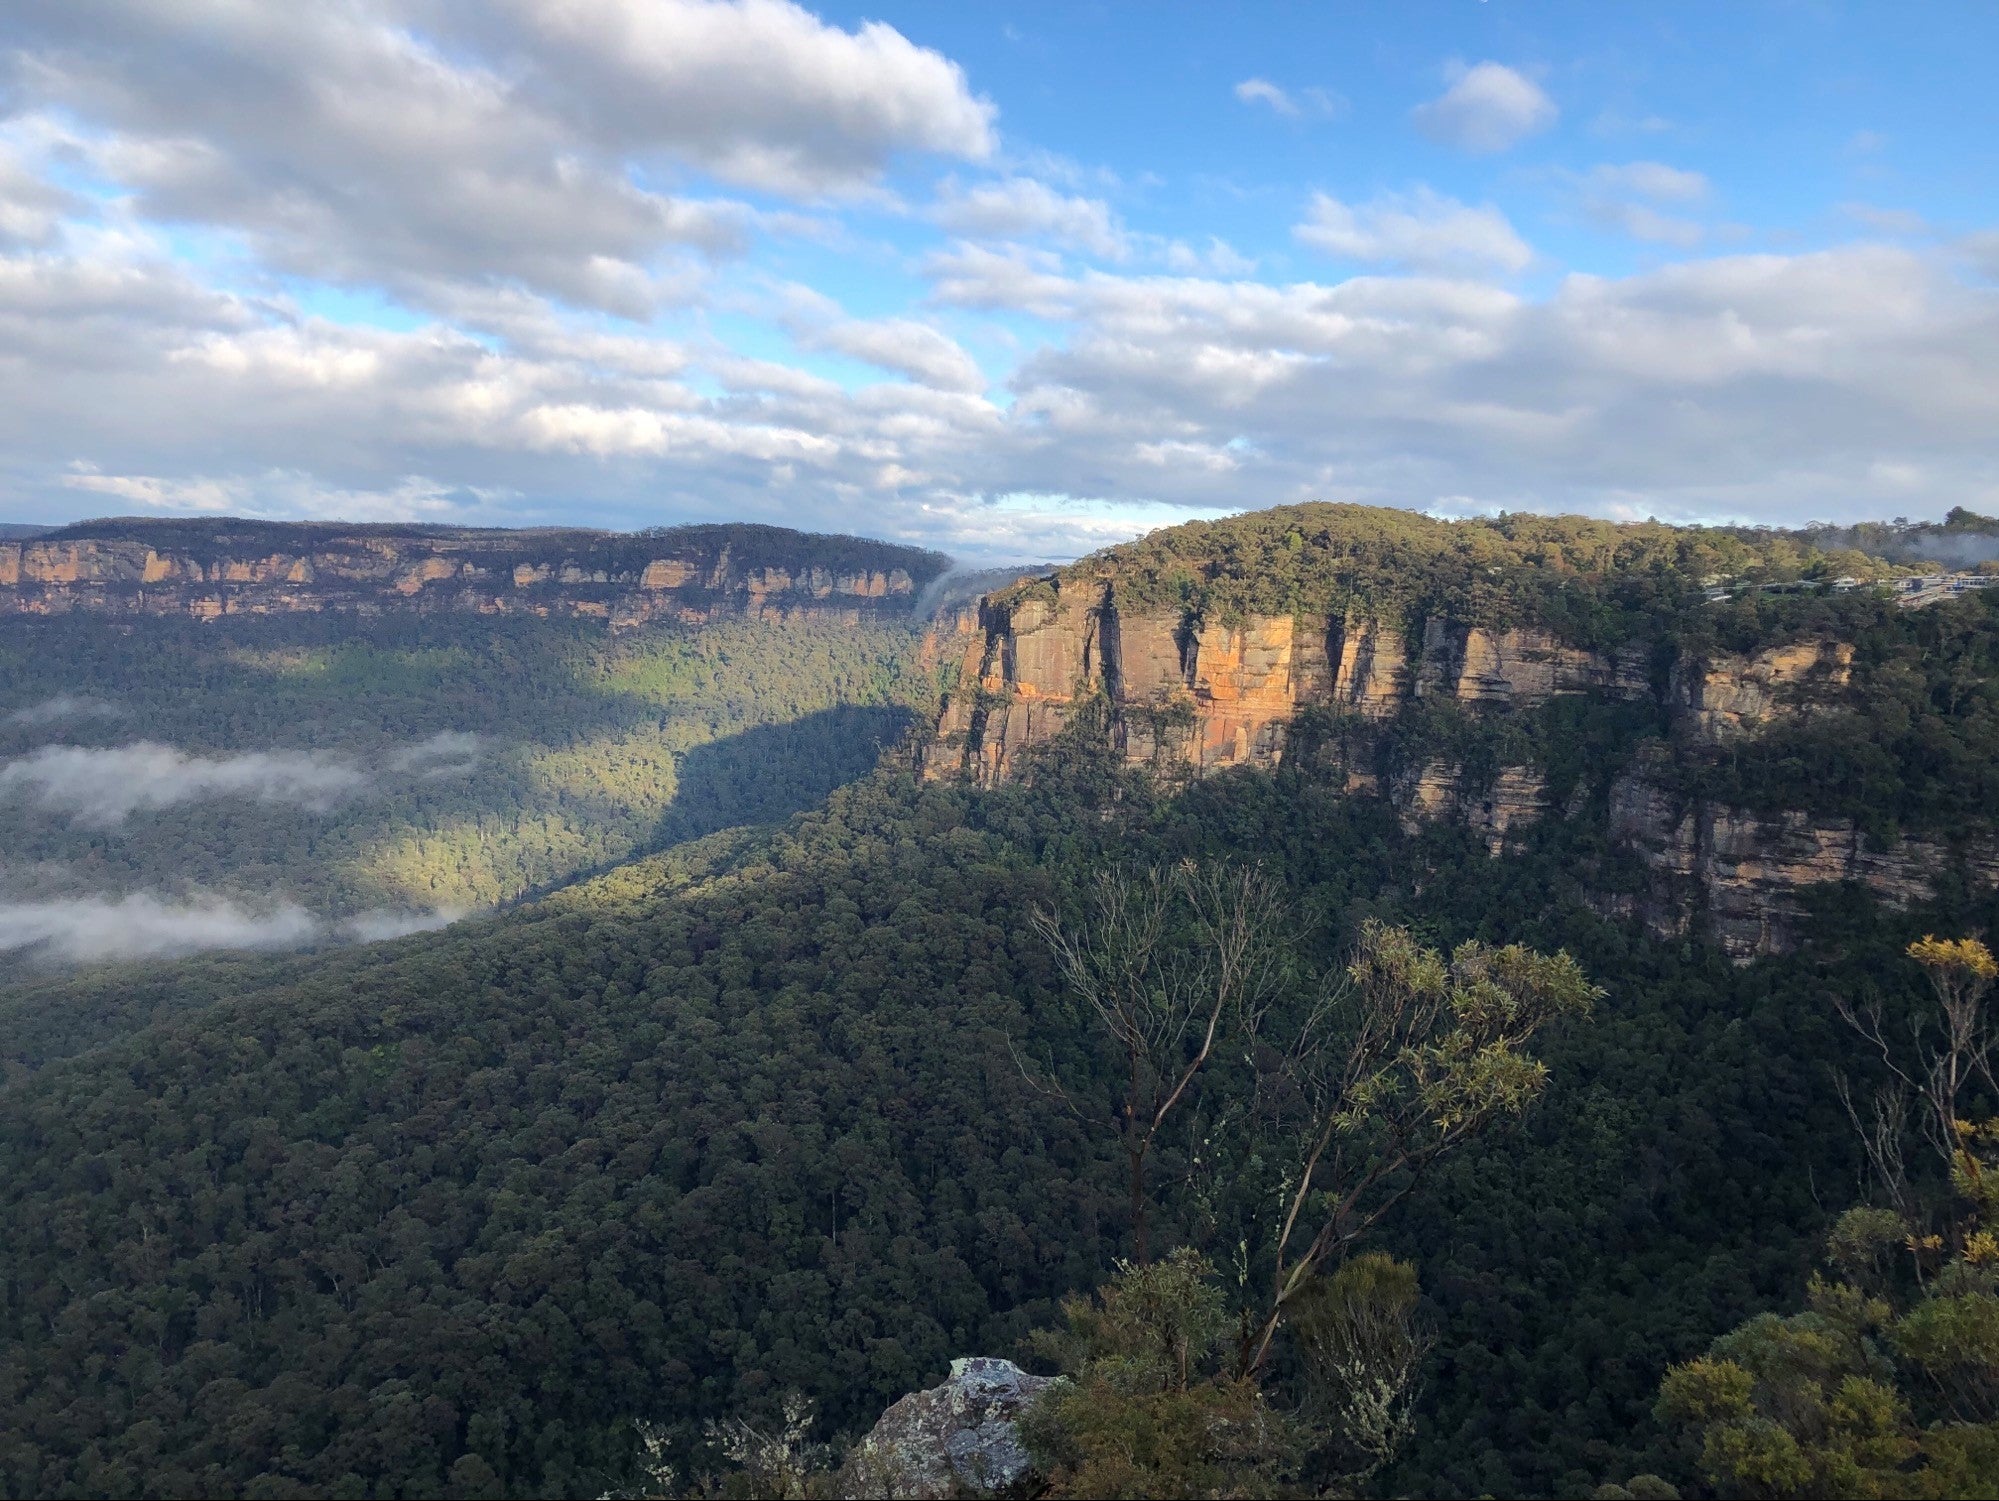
{"x":959,"y":563}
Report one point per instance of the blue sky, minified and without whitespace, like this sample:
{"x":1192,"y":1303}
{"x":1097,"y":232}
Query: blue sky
{"x":1014,"y":280}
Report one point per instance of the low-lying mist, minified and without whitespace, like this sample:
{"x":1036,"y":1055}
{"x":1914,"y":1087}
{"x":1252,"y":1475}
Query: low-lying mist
{"x":97,"y":929}
{"x":101,"y":787}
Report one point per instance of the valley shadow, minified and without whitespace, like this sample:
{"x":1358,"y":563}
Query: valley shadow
{"x":759,"y":776}
{"x":766,"y":774}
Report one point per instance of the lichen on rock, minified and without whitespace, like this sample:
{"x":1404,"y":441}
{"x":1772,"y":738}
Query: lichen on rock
{"x":958,"y":1439}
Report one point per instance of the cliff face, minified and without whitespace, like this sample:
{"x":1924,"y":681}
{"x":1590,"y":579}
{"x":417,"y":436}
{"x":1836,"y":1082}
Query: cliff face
{"x":1187,"y":699}
{"x":1745,"y":871}
{"x":695,"y":574}
{"x":1726,"y":696}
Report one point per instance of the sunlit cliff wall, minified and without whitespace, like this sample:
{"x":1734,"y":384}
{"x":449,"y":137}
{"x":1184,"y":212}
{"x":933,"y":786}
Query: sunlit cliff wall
{"x":694,"y":574}
{"x":1186,"y":700}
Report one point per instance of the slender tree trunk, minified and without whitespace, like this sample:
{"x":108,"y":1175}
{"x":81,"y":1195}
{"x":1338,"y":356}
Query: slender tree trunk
{"x":1135,"y":1147}
{"x":1141,"y":1248}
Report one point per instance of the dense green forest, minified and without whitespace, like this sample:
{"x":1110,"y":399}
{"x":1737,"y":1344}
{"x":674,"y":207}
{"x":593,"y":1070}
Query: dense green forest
{"x":768,"y":1111}
{"x":422,"y":762}
{"x":663,"y":1154}
{"x":1597,"y":583}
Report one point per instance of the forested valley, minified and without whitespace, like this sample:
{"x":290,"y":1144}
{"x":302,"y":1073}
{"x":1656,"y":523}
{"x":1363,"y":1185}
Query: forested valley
{"x":415,"y":764}
{"x":775,"y":1088}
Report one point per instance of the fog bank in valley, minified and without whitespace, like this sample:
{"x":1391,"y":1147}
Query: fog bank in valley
{"x":101,"y":787}
{"x":97,"y":929}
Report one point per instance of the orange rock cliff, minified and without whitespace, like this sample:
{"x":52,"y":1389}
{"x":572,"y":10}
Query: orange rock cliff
{"x":1184,"y":700}
{"x":211,"y":569}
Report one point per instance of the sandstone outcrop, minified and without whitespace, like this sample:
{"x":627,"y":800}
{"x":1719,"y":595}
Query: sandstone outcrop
{"x":1744,"y":871}
{"x":1499,"y":814}
{"x":1189,"y":697}
{"x":1726,"y":696}
{"x":958,"y":1439}
{"x":211,"y":570}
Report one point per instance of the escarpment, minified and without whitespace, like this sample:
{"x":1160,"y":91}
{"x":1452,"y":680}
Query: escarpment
{"x":1182,"y":696}
{"x":1743,"y":873}
{"x":211,"y":569}
{"x":1187,"y":696}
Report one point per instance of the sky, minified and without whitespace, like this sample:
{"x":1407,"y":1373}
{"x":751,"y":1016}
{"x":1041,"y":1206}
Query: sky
{"x":1011,"y":280}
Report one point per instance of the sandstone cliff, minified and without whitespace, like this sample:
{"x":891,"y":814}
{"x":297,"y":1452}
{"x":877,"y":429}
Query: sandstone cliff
{"x":1185,"y":698}
{"x":1189,"y":697}
{"x":1745,"y":871}
{"x":207,"y":570}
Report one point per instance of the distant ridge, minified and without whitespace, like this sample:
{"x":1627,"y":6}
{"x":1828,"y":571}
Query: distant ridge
{"x":226,"y":566}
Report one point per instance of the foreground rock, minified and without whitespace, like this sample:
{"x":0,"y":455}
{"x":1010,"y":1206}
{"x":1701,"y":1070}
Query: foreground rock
{"x":958,"y":1439}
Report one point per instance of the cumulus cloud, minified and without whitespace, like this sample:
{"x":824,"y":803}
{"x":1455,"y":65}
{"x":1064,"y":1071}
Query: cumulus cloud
{"x":415,"y":145}
{"x":1420,"y":228}
{"x":92,"y":930}
{"x":32,"y":208}
{"x":906,"y":346}
{"x":1024,"y":208}
{"x":100,"y":929}
{"x":1758,"y":387}
{"x":1654,"y":180}
{"x":62,"y":707}
{"x":1488,"y":108}
{"x":1304,"y":104}
{"x":903,"y":345}
{"x":759,"y":91}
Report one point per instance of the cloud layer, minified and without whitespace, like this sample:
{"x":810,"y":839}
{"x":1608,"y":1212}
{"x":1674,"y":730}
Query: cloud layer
{"x":101,"y":787}
{"x":97,"y":929}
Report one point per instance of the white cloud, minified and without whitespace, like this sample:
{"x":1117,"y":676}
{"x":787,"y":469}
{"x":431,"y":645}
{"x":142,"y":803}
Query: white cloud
{"x":1887,"y":221}
{"x":1420,"y":228}
{"x":32,"y":208}
{"x":377,"y":924}
{"x":1488,"y":108}
{"x":758,"y":91}
{"x":1654,"y":180}
{"x":142,"y":925}
{"x":1024,"y":208}
{"x":1305,"y":104}
{"x":905,"y":346}
{"x":447,"y":753}
{"x":1623,"y":197}
{"x":1982,"y":249}
{"x":155,"y":493}
{"x":93,"y":930}
{"x":410,"y":144}
{"x":101,"y":788}
{"x":1756,"y":387}
{"x":1217,"y":257}
{"x":61,"y":707}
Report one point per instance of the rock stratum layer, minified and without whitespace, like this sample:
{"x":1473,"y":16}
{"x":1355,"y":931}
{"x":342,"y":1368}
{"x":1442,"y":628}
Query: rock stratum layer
{"x":1185,"y":699}
{"x":1744,"y":873}
{"x":693,"y":574}
{"x":1189,"y":698}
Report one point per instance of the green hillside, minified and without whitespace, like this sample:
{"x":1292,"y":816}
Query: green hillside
{"x":767,"y":1110}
